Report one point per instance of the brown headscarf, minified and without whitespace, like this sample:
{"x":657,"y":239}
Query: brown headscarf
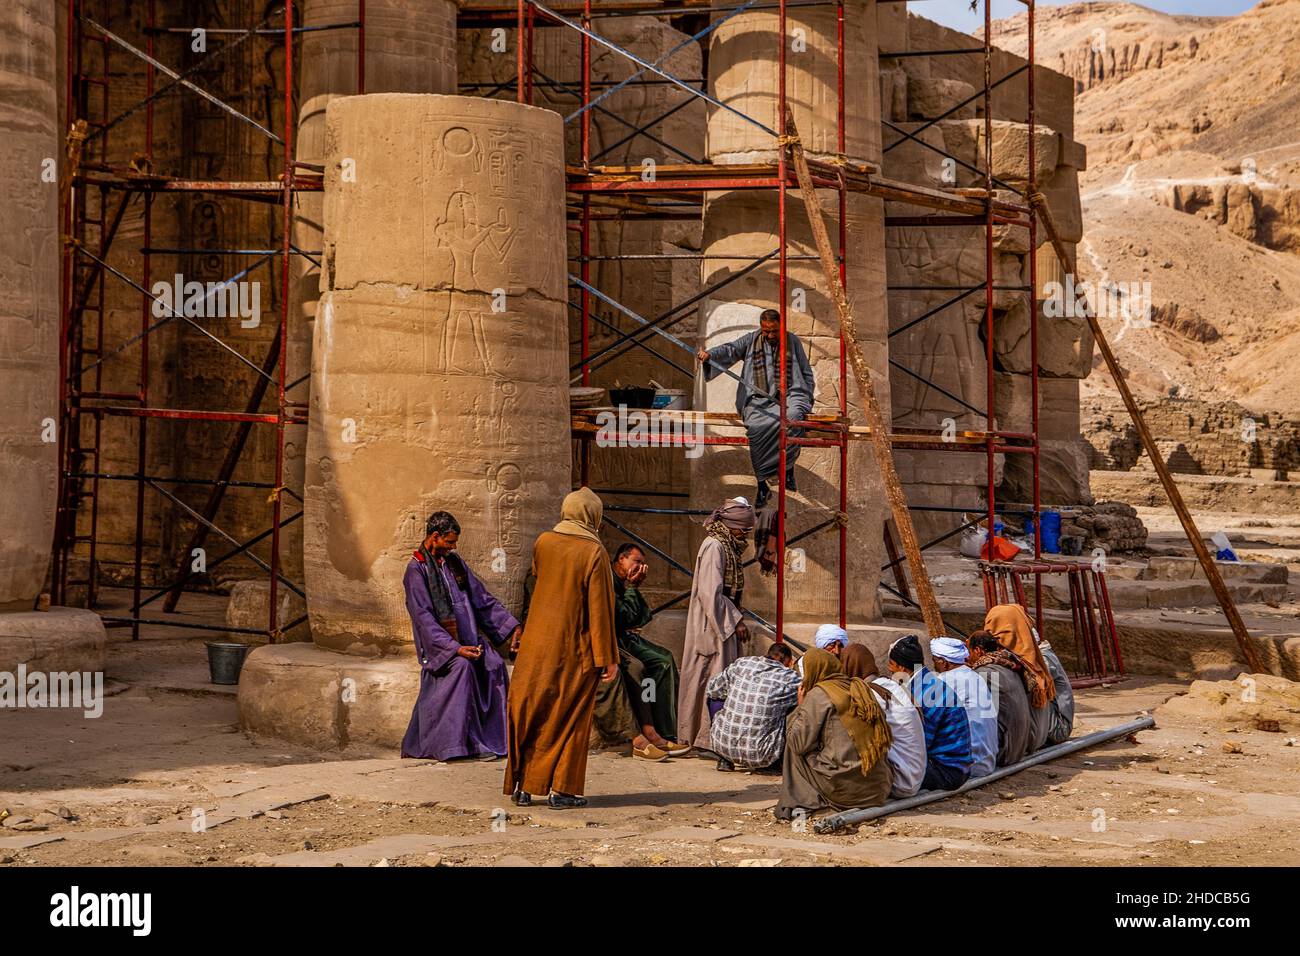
{"x":732,"y":514}
{"x":1010,"y":625}
{"x":581,"y":513}
{"x":854,"y":704}
{"x":859,"y":662}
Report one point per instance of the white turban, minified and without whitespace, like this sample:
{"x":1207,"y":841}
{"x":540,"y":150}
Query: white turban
{"x":949,"y":649}
{"x":829,"y":634}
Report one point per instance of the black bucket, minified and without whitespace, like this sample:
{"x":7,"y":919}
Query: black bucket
{"x":225,"y":661}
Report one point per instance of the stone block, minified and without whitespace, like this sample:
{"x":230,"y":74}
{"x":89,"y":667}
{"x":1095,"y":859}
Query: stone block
{"x":1061,"y":190}
{"x":58,"y":640}
{"x":1073,"y":154}
{"x":965,"y":140}
{"x":918,"y":158}
{"x":1171,"y":568}
{"x":1058,"y":405}
{"x":930,"y":97}
{"x":248,"y":608}
{"x":1062,"y":474}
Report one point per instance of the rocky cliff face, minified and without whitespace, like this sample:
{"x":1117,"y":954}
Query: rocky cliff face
{"x":1190,"y":201}
{"x":1096,"y":43}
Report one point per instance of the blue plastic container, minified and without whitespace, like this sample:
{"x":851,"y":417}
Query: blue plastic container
{"x":1050,"y":525}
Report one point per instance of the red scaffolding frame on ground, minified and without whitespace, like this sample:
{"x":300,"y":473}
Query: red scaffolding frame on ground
{"x":596,"y":193}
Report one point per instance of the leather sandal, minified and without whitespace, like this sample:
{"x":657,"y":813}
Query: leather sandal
{"x":649,"y":752}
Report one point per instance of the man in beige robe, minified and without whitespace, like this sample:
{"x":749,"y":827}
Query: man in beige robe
{"x":568,"y":646}
{"x":715,"y":626}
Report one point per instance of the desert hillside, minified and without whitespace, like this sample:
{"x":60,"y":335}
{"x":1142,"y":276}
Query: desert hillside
{"x":1192,"y":126}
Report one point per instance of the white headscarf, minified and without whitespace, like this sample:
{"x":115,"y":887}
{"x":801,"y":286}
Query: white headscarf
{"x":949,"y":649}
{"x":829,"y":634}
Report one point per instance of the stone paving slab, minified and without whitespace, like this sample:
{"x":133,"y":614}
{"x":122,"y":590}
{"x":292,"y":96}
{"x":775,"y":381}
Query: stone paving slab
{"x":692,"y":834}
{"x":27,"y":841}
{"x":408,"y":844}
{"x":880,"y":853}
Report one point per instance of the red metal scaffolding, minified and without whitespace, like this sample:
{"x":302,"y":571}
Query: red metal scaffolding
{"x":678,"y":182}
{"x":90,"y":233}
{"x":596,"y":193}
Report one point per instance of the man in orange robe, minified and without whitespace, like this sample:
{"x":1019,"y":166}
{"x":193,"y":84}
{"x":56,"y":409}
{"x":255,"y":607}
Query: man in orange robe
{"x":567,"y":648}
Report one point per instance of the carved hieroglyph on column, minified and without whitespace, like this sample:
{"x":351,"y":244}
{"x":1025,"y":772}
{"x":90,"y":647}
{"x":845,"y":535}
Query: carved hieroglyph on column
{"x":410,"y":48}
{"x":29,"y":299}
{"x":440,"y":353}
{"x":740,"y":225}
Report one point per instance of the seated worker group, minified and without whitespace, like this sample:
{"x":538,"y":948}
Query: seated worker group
{"x":855,"y":740}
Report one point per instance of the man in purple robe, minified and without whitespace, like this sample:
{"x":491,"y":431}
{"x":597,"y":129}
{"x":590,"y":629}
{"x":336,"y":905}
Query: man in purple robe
{"x":461,"y":710}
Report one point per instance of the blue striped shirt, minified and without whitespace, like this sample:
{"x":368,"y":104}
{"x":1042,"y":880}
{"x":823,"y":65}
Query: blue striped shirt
{"x":947,"y":729}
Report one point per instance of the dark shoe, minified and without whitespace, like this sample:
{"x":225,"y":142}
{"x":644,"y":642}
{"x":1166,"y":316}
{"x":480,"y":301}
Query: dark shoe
{"x":565,"y":801}
{"x":761,"y":497}
{"x":521,"y":799}
{"x":789,"y":481}
{"x":725,"y":765}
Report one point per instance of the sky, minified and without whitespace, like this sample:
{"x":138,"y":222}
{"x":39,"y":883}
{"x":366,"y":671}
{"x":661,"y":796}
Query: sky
{"x":958,"y":15}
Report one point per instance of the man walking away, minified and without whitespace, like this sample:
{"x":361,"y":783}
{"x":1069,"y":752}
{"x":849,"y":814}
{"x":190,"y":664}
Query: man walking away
{"x":568,"y":647}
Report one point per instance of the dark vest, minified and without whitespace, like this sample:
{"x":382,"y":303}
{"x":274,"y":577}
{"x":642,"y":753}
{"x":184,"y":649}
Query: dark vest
{"x":441,"y":597}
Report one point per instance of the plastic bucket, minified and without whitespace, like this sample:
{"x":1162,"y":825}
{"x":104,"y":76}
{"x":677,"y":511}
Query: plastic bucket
{"x":1050,"y":526}
{"x":225,"y":661}
{"x":674,"y":398}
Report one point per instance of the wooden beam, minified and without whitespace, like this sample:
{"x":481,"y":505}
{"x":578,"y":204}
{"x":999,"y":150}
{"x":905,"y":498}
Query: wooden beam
{"x":1175,"y":497}
{"x":862,"y":374}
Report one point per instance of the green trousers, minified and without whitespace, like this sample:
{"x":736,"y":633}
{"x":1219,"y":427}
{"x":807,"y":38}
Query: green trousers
{"x":650,"y":674}
{"x":644,"y":693}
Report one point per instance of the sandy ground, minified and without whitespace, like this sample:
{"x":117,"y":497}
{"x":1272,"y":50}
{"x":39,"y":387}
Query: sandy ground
{"x":165,"y":777}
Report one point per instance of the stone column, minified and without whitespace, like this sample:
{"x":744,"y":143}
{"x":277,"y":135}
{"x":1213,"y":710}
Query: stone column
{"x":30,"y":157}
{"x":29,"y":299}
{"x":743,"y":73}
{"x":440,"y":352}
{"x":410,"y":48}
{"x":440,"y":381}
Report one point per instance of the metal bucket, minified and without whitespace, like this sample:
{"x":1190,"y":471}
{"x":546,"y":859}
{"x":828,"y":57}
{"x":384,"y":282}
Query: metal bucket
{"x":225,"y":661}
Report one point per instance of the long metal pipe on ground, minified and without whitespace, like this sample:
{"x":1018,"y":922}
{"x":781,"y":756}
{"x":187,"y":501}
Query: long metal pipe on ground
{"x":840,"y":820}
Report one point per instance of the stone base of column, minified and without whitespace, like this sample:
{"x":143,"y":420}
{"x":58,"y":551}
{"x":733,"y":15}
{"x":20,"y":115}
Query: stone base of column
{"x":62,"y":639}
{"x":329,"y":701}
